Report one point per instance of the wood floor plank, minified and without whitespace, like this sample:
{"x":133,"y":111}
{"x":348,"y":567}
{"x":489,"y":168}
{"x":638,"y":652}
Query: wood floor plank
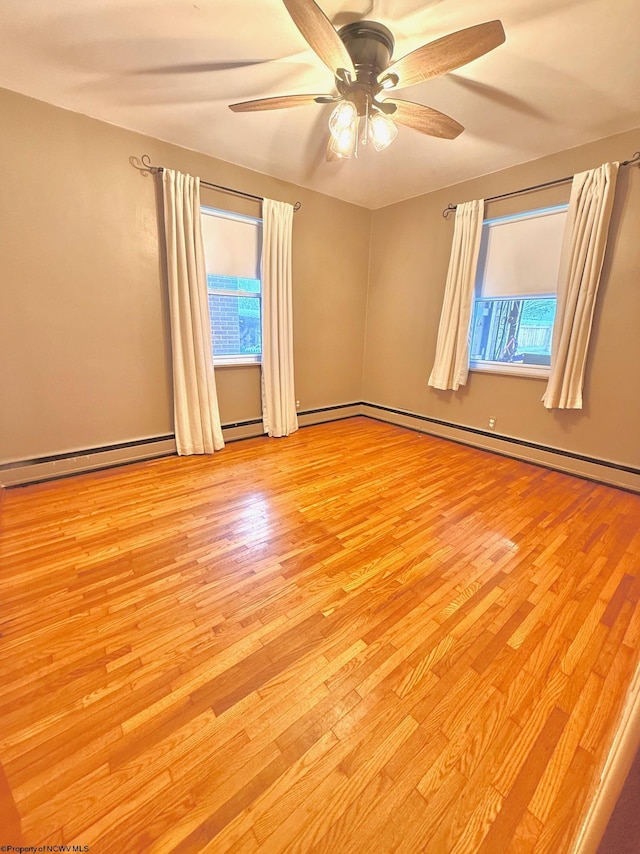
{"x":526,"y":834}
{"x":358,"y":638}
{"x":9,"y":815}
{"x":501,"y":830}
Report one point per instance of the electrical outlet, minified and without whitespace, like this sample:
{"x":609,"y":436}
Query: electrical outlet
{"x":492,"y":423}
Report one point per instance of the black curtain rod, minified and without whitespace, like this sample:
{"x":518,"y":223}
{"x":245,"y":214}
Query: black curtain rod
{"x":145,"y":165}
{"x":635,"y":160}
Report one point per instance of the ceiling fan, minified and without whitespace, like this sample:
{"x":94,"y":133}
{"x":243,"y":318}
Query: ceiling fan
{"x":359,"y":55}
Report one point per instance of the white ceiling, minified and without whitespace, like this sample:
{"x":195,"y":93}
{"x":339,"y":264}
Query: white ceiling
{"x":568,"y":73}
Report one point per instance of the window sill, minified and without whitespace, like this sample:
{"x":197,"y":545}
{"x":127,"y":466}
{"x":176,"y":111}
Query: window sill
{"x":510,"y":369}
{"x":237,"y":361}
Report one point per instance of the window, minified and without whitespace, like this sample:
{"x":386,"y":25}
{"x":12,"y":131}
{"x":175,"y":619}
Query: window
{"x":515,"y":303}
{"x":232,"y":247}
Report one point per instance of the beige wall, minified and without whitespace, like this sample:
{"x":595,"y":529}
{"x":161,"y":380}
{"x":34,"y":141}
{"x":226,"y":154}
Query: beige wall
{"x":84,"y":345}
{"x":410,"y":246}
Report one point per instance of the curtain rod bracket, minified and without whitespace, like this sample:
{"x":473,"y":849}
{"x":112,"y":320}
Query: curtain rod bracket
{"x":632,"y":161}
{"x":144,"y":164}
{"x":145,"y":160}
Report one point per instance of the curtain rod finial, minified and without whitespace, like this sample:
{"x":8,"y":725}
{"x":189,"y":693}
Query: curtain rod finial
{"x":448,"y":210}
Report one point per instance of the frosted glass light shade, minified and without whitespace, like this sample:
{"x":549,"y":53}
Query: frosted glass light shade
{"x":343,"y":117}
{"x":343,"y":143}
{"x":383,"y":130}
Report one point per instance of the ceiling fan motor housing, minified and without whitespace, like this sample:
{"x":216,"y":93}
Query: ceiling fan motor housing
{"x":370,"y":46}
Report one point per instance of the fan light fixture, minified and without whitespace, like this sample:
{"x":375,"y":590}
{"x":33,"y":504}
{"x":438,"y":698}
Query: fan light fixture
{"x":360,"y":58}
{"x":383,"y":130}
{"x":344,"y":143}
{"x":344,"y":116}
{"x":344,"y":125}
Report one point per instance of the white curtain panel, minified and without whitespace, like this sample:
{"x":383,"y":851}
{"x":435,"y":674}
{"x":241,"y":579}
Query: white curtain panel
{"x":195,"y":403}
{"x":451,"y":366}
{"x":278,"y":390}
{"x":583,"y":249}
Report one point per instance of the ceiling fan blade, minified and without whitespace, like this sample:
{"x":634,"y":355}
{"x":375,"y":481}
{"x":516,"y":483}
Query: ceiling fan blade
{"x":202,"y":67}
{"x":281,"y":102}
{"x":425,"y":119}
{"x":320,"y":34}
{"x":447,"y":54}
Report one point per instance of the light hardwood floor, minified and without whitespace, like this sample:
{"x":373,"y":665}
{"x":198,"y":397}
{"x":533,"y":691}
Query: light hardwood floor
{"x":356,"y":639}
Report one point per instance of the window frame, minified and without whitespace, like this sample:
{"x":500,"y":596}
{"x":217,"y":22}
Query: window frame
{"x":512,"y":369}
{"x":240,"y":359}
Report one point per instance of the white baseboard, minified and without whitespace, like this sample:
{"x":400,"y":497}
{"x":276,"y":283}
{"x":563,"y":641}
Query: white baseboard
{"x":330,"y":413}
{"x":23,"y":472}
{"x":62,"y":465}
{"x":602,"y":471}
